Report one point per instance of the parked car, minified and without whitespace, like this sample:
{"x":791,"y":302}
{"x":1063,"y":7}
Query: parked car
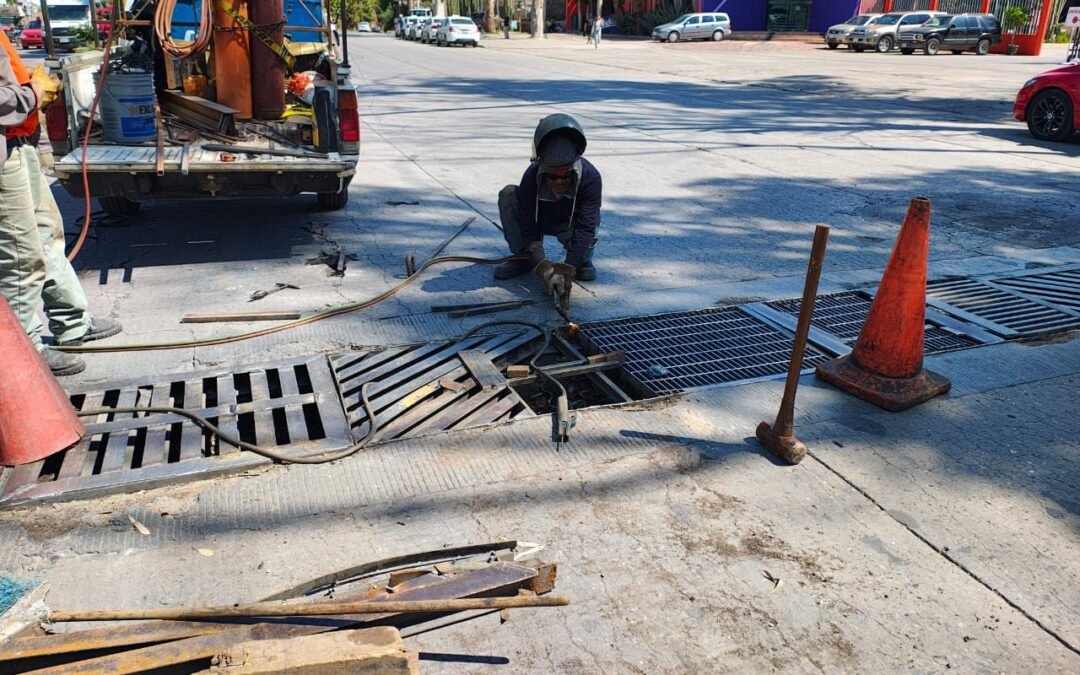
{"x":31,"y":37}
{"x":363,"y":27}
{"x":880,"y":34}
{"x":458,"y":30}
{"x":413,"y":31}
{"x":710,"y":26}
{"x":1050,"y":104}
{"x":403,"y":26}
{"x":430,"y":28}
{"x":960,"y":33}
{"x":838,"y":35}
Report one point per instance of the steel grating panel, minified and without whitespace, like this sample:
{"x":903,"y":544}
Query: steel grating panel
{"x":428,"y":388}
{"x":688,"y":350}
{"x":1059,"y":287}
{"x":290,"y":406}
{"x":999,"y":310}
{"x":843,"y":315}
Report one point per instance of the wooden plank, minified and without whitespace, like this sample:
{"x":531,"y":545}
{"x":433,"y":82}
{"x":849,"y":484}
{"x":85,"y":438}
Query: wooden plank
{"x":482,"y":369}
{"x":116,"y":447}
{"x":191,"y":439}
{"x":264,"y":419}
{"x":226,"y":420}
{"x":294,"y":414}
{"x":155,"y":444}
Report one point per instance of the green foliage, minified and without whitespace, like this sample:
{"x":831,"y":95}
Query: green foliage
{"x":85,"y":36}
{"x":1060,"y":35}
{"x":1013,"y":18}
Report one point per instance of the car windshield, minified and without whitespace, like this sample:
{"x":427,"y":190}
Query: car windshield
{"x":886,"y":20}
{"x":68,"y":13}
{"x":857,"y":20}
{"x":683,"y":19}
{"x":936,"y":21}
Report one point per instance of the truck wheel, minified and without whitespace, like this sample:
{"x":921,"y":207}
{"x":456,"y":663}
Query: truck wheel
{"x":884,"y":44}
{"x":119,"y":206}
{"x":333,"y":201}
{"x":983,"y":47}
{"x":933,"y":46}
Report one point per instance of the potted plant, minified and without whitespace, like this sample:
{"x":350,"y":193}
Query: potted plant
{"x":1012,"y":19}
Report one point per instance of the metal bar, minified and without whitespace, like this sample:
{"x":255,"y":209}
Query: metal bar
{"x":366,"y":362}
{"x":75,"y":458}
{"x":264,"y":419}
{"x":482,"y":369}
{"x":116,"y":447}
{"x":784,"y":321}
{"x":452,"y":237}
{"x":488,"y":413}
{"x":155,"y":448}
{"x":240,"y":316}
{"x":107,"y":638}
{"x":329,"y":400}
{"x":294,"y":414}
{"x":450,"y":417}
{"x":224,"y":411}
{"x":605,"y":383}
{"x":191,"y":437}
{"x":227,"y":418}
{"x":561,"y":370}
{"x":414,"y":421}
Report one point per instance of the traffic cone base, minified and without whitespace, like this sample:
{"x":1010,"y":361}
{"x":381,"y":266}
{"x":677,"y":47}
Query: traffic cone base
{"x":891,"y":393}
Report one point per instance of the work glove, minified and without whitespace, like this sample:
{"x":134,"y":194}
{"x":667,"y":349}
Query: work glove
{"x":46,"y":86}
{"x":557,"y":280}
{"x":536,"y":252}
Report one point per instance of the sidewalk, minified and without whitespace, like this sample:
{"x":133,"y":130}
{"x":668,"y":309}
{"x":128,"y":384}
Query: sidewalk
{"x":918,"y":541}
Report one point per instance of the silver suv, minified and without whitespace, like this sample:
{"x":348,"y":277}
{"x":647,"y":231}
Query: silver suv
{"x":880,"y":34}
{"x":840,"y":33}
{"x":708,"y":26}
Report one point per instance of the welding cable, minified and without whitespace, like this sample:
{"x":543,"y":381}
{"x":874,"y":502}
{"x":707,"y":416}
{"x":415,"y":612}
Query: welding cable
{"x":163,"y":16}
{"x":90,"y":123}
{"x":244,"y":445}
{"x":326,"y":314}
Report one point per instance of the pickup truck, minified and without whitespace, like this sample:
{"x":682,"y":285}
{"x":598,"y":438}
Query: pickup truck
{"x":123,"y":176}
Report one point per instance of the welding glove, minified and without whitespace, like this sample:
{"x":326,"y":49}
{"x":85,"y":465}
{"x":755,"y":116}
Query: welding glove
{"x":558,"y":281}
{"x":46,"y":86}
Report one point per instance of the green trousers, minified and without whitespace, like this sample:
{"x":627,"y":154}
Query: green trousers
{"x":33,"y":266}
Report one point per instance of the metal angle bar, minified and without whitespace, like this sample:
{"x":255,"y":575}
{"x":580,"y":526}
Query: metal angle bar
{"x":155,"y":445}
{"x":157,"y":419}
{"x":1070,"y":269}
{"x":489,"y":413}
{"x":227,"y":420}
{"x":353,"y":363}
{"x":76,"y":458}
{"x":391,"y":373}
{"x":264,"y":418}
{"x":601,"y":380}
{"x":380,"y":364}
{"x":448,"y":418}
{"x":992,"y":326}
{"x":294,"y":414}
{"x":329,"y":401}
{"x":415,"y":420}
{"x":482,"y":369}
{"x":786,"y":322}
{"x":116,"y":447}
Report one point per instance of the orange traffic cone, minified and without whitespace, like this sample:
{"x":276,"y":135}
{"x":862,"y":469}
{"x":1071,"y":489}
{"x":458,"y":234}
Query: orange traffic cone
{"x":36,"y":417}
{"x":885,"y":367}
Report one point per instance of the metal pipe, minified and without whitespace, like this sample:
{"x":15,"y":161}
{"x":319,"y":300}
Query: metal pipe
{"x":344,"y":33}
{"x":46,"y":26}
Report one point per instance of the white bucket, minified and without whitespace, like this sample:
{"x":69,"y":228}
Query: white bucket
{"x":127,"y":108}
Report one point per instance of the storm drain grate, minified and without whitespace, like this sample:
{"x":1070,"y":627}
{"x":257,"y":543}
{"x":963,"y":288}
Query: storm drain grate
{"x":291,"y":406}
{"x":1059,"y":287}
{"x":843,"y":315}
{"x":688,"y":350}
{"x":433,"y":387}
{"x":1003,"y":312}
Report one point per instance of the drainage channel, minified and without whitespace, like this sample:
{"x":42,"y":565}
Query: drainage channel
{"x":311,"y":405}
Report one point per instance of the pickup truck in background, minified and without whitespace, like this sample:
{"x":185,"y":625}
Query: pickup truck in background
{"x":187,"y":165}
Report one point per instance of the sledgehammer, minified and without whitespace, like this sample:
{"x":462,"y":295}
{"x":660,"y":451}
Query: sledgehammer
{"x":779,"y":438}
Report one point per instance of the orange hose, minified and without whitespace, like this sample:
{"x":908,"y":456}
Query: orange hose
{"x":163,"y":29}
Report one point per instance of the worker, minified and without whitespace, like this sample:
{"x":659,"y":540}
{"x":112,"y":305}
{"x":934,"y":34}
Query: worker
{"x":33,"y":266}
{"x":559,"y":195}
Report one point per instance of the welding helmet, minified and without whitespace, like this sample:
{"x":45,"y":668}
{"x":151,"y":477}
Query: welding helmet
{"x":556,"y":126}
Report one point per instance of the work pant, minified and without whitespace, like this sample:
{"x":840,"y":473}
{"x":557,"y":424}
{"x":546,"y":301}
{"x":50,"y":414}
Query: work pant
{"x":508,"y":214}
{"x":33,"y":266}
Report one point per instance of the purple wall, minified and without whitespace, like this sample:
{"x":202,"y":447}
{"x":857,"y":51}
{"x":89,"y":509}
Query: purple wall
{"x":749,"y":15}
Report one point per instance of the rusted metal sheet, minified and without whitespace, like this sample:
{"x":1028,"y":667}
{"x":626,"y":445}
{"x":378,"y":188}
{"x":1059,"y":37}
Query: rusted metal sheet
{"x":110,"y":637}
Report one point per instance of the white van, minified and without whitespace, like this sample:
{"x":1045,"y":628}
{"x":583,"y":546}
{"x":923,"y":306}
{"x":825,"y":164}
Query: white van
{"x":67,"y":18}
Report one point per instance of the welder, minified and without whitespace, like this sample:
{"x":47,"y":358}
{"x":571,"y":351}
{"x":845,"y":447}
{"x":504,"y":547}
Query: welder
{"x":559,"y":196}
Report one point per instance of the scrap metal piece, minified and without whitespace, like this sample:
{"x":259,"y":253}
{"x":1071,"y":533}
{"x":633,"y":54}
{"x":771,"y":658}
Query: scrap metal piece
{"x":482,"y":369}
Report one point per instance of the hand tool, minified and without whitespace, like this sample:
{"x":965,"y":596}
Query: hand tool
{"x":779,"y":438}
{"x":259,"y":295}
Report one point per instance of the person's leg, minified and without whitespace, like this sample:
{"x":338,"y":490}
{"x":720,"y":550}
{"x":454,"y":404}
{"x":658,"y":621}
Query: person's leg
{"x":508,"y":215}
{"x":22,"y":260}
{"x":65,"y":302}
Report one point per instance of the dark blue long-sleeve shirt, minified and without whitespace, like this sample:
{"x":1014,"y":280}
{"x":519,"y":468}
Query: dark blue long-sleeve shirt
{"x":582,"y":212}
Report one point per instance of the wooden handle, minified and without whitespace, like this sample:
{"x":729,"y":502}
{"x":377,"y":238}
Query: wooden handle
{"x":313,"y":609}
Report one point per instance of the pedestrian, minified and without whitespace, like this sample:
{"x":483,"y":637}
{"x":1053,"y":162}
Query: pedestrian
{"x":588,"y":31}
{"x":597,"y":31}
{"x":506,"y":27}
{"x":559,"y":195}
{"x":33,"y":266}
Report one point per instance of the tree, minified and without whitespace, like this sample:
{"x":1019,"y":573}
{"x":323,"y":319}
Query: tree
{"x":1012,"y":19}
{"x":489,"y":16}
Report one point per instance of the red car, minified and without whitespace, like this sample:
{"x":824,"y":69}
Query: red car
{"x":31,"y":35}
{"x":1050,"y":103}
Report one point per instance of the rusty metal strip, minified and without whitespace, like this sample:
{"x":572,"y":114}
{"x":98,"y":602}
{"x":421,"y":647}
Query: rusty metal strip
{"x":348,"y":366}
{"x":155,"y":447}
{"x":227,"y":421}
{"x":142,"y":633}
{"x":422,"y":411}
{"x":482,"y":369}
{"x":490,"y":413}
{"x":454,"y":414}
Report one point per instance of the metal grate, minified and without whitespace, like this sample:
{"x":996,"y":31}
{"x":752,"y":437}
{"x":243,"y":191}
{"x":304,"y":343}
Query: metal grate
{"x":1059,"y":287}
{"x":428,"y":388}
{"x":998,"y":310}
{"x":843,"y":315}
{"x":688,"y":350}
{"x":291,"y":406}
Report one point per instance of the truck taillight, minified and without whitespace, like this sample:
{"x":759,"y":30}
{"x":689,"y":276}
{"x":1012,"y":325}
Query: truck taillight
{"x":348,"y":117}
{"x":56,"y":119}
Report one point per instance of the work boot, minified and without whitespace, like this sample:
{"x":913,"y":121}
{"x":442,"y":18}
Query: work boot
{"x":513,"y":268}
{"x":587,"y":272}
{"x":99,"y":329}
{"x":62,"y":364}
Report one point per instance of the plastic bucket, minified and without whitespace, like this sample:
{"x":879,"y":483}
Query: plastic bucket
{"x":127,"y":108}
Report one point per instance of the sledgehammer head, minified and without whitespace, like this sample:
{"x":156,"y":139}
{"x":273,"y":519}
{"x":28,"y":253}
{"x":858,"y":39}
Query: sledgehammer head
{"x":787,"y":448}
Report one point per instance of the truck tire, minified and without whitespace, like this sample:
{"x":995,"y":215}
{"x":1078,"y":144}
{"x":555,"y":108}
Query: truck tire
{"x":884,"y":45}
{"x":333,"y":201}
{"x":933,"y":46}
{"x":119,"y":206}
{"x":983,"y":47}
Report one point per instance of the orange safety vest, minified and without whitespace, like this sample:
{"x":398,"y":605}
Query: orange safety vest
{"x":22,"y":75}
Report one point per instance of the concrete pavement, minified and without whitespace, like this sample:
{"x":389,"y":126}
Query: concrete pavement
{"x":942,"y":538}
